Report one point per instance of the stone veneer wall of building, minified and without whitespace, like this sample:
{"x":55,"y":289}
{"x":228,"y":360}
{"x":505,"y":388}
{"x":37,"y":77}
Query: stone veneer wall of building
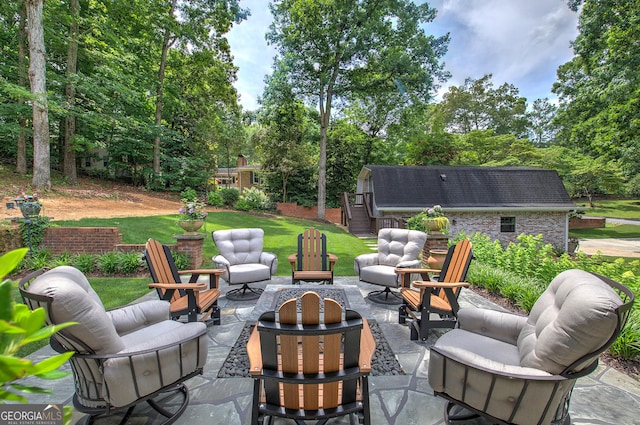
{"x":551,"y":225}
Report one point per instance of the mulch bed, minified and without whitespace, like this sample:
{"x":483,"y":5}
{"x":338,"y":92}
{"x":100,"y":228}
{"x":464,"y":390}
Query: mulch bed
{"x":628,"y":367}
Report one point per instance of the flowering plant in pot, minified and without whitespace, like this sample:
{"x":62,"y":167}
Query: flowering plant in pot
{"x":429,"y":220}
{"x":29,"y":205}
{"x":192,"y":214}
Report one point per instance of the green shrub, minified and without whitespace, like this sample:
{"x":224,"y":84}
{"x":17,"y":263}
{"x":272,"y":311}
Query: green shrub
{"x":215,"y":199}
{"x":63,"y":259}
{"x":86,"y":263}
{"x":243,"y":205}
{"x":129,"y":262}
{"x":627,"y":345}
{"x":255,"y":199}
{"x":108,"y":263}
{"x":229,"y":196}
{"x":37,"y":260}
{"x":181,"y":260}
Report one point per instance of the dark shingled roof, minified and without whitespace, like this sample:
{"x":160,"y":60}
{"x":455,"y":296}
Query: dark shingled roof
{"x":467,"y":187}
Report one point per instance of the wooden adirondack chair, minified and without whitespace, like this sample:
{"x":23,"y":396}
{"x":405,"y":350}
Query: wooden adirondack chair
{"x":441,"y":297}
{"x":312,"y":263}
{"x":310,"y":369}
{"x":190,"y":298}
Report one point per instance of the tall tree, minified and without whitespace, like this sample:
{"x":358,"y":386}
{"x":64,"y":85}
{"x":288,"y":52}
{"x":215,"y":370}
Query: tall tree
{"x":70,"y":92}
{"x":477,"y":105}
{"x":599,"y":89}
{"x":281,"y":143}
{"x":330,"y":45}
{"x":541,"y":126}
{"x":197,"y":25}
{"x":38,"y":81}
{"x":21,"y":153}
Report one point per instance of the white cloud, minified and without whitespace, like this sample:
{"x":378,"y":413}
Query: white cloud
{"x":521,"y":42}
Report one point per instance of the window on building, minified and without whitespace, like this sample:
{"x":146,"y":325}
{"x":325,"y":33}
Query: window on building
{"x":507,"y":224}
{"x":255,"y":179}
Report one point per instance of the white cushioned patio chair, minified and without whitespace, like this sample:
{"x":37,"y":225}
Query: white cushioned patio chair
{"x":121,"y":357}
{"x":522,"y":370}
{"x":244,"y":262}
{"x":396,"y":248}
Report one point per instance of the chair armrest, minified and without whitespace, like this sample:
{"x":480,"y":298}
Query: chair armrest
{"x":410,"y":263}
{"x":364,"y":260}
{"x":222,"y":263}
{"x":292,"y":259}
{"x":333,"y":259}
{"x":429,"y":284}
{"x":135,"y":316}
{"x":185,"y":286}
{"x":254,"y":352}
{"x":214,"y":275}
{"x":503,"y":326}
{"x":367,"y":347}
{"x":493,"y":367}
{"x":271,"y":260}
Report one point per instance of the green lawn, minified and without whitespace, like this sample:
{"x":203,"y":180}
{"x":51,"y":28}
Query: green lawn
{"x":614,"y":208}
{"x":281,"y":234}
{"x":610,"y":231}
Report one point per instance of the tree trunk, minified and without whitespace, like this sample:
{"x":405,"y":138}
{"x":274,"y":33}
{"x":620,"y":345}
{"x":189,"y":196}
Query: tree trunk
{"x":166,"y":43}
{"x":21,"y":152}
{"x":70,"y":171}
{"x":37,"y":78}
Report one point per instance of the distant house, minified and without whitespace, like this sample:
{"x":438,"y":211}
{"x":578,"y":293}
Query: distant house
{"x":501,"y":202}
{"x":241,"y":177}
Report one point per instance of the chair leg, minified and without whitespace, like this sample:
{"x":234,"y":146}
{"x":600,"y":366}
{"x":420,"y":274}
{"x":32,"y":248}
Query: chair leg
{"x":385,"y":296}
{"x":402,"y":314}
{"x":245,"y":293}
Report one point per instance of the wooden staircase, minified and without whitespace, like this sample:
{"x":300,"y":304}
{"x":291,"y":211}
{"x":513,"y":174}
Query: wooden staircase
{"x":358,"y":218}
{"x":360,"y":221}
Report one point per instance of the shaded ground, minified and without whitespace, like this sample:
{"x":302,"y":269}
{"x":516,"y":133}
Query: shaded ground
{"x":90,"y":198}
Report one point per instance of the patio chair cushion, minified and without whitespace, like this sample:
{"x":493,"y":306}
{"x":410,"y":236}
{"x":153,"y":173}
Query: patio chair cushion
{"x":240,"y":246}
{"x":76,"y":301}
{"x":379,"y":275}
{"x":574,"y":316}
{"x":398,"y":245}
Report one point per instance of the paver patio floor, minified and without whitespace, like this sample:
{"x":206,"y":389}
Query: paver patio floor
{"x":605,"y":397}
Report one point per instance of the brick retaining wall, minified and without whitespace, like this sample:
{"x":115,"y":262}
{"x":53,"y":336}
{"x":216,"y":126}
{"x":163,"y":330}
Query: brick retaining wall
{"x":78,"y":240}
{"x":292,"y":209}
{"x":587,"y":223}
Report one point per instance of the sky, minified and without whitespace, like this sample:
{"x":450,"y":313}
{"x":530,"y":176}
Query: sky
{"x":520,"y":42}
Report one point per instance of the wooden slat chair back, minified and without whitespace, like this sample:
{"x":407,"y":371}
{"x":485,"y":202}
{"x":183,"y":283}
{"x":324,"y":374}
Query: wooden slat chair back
{"x":311,"y":365}
{"x":455,"y":267}
{"x":162,"y":267}
{"x":312,"y":250}
{"x":441,"y":297}
{"x":312,"y":263}
{"x":190,"y":299}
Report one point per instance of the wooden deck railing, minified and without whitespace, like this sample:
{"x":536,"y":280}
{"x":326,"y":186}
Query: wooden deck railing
{"x":366,"y":200}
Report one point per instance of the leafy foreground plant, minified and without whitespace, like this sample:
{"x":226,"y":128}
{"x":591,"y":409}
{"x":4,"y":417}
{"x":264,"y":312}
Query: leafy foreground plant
{"x":20,"y":326}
